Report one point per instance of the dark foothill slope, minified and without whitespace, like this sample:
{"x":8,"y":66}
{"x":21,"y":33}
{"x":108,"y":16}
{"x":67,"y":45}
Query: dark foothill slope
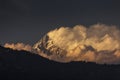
{"x":23,"y":65}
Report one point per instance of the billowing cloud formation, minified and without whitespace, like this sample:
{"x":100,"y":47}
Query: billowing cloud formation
{"x":98,"y":43}
{"x":18,"y":46}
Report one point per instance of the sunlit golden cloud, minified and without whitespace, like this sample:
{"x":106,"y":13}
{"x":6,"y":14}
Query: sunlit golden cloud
{"x":98,"y":43}
{"x":18,"y":46}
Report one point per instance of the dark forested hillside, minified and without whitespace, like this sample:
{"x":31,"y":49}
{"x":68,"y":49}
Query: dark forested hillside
{"x":23,"y":65}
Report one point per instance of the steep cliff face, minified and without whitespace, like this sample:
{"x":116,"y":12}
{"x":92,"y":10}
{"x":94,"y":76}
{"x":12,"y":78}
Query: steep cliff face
{"x":48,"y":49}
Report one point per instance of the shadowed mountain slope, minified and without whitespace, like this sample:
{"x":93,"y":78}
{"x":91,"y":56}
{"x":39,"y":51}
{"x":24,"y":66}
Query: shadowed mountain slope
{"x":23,"y":65}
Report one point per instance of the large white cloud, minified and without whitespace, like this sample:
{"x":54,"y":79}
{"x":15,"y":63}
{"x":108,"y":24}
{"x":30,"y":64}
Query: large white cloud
{"x":98,"y":43}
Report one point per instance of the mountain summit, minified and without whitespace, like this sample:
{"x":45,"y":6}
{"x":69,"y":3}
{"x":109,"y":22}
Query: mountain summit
{"x":47,"y":47}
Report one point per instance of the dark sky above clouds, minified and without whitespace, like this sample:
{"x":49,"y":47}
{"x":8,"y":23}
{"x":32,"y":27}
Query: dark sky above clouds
{"x":28,"y":20}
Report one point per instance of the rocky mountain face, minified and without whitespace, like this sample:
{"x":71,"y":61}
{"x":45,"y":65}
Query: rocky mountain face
{"x":47,"y":47}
